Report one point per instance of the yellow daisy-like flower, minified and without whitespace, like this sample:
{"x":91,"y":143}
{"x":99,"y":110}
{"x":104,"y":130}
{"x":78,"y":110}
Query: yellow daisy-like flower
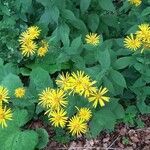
{"x":92,"y":38}
{"x":34,"y":32}
{"x":28,"y":48}
{"x":77,"y":126}
{"x":57,"y":99}
{"x":58,"y":118}
{"x":84,"y":113}
{"x":43,"y":49}
{"x":143,"y":33}
{"x":20,"y":92}
{"x":132,"y":43}
{"x":135,"y":2}
{"x":98,"y":97}
{"x":63,"y":81}
{"x":44,"y":98}
{"x":88,"y":88}
{"x":78,"y":81}
{"x":5,"y":115}
{"x":25,"y":37}
{"x":3,"y":95}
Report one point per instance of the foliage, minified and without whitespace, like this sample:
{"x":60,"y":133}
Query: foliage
{"x":64,"y":25}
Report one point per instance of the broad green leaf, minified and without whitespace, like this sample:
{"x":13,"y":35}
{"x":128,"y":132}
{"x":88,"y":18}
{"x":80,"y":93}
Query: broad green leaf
{"x":106,"y":5}
{"x":63,"y":33}
{"x":13,"y":137}
{"x":145,"y":12}
{"x":40,"y":79}
{"x":84,"y":4}
{"x":102,"y":119}
{"x":118,"y":78}
{"x":123,"y":62}
{"x":21,"y":141}
{"x":11,"y":82}
{"x":93,"y":22}
{"x":104,"y":58}
{"x":43,"y":138}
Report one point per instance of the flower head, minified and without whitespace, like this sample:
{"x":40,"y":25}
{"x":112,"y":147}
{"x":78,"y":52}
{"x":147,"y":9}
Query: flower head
{"x":135,"y":2}
{"x":98,"y":97}
{"x":34,"y":32}
{"x":92,"y":38}
{"x":132,"y":43}
{"x":5,"y":115}
{"x":57,"y":99}
{"x":28,"y":48}
{"x":58,"y":118}
{"x":63,"y":81}
{"x":20,"y":92}
{"x":78,"y":81}
{"x":43,"y":49}
{"x":44,"y":98}
{"x":3,"y":94}
{"x":77,"y":126}
{"x":84,"y":113}
{"x":143,"y":33}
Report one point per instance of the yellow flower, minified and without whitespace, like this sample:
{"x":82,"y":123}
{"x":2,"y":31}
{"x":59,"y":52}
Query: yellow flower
{"x":43,"y":49}
{"x":77,"y":126}
{"x":63,"y":81}
{"x":77,"y":82}
{"x":58,"y":118}
{"x":3,"y":95}
{"x":131,"y":42}
{"x":5,"y":114}
{"x":92,"y":38}
{"x":144,"y":32}
{"x":28,"y":48}
{"x":20,"y":92}
{"x":34,"y":32}
{"x":25,"y":37}
{"x":44,"y":98}
{"x":98,"y":97}
{"x":88,"y":88}
{"x":135,"y":2}
{"x":57,"y":99}
{"x":84,"y":113}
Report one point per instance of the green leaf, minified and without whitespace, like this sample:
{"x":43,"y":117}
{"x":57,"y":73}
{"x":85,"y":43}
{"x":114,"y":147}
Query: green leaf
{"x":93,"y":22}
{"x":118,"y":78}
{"x":123,"y":62}
{"x":63,"y":33}
{"x":21,"y":141}
{"x":102,"y":119}
{"x":106,"y":5}
{"x":104,"y":58}
{"x":12,"y":82}
{"x":84,"y":4}
{"x":43,"y":138}
{"x":13,"y":137}
{"x":40,"y":79}
{"x":145,"y":12}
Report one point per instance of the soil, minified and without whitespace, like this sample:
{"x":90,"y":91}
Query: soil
{"x":123,"y":138}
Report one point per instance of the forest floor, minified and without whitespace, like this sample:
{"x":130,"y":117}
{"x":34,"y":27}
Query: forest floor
{"x":123,"y":138}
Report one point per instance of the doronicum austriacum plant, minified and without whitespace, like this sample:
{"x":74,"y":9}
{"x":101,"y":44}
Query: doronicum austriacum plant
{"x":73,"y":67}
